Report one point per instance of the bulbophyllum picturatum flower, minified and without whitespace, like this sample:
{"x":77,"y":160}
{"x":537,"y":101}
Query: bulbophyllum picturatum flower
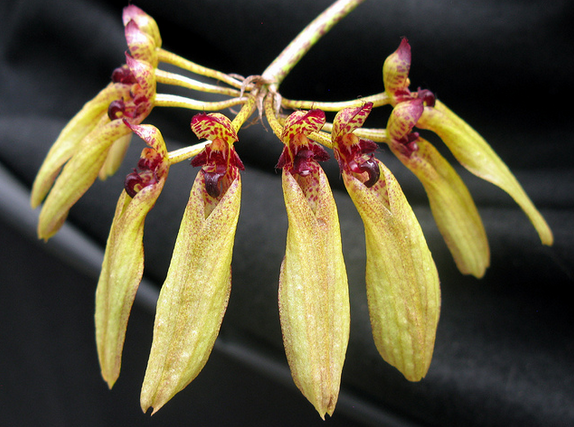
{"x":313,"y":289}
{"x":467,"y":146}
{"x":94,"y":142}
{"x":123,"y":263}
{"x":402,"y":282}
{"x":194,"y":296}
{"x":452,"y":205}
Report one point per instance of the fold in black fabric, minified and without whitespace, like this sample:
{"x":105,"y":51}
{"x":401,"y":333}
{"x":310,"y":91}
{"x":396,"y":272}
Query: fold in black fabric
{"x":504,"y":347}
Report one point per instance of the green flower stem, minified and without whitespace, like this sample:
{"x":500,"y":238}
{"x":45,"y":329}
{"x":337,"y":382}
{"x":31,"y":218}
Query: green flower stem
{"x":186,"y":153}
{"x":173,"y":59}
{"x":284,"y":63}
{"x":378,"y":100}
{"x":376,"y":135}
{"x":173,"y":79}
{"x":269,"y":105}
{"x":246,"y":111}
{"x":322,"y":138}
{"x":168,"y":100}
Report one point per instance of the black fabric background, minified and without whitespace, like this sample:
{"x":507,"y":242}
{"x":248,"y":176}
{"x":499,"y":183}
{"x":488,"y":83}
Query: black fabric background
{"x":504,"y":350}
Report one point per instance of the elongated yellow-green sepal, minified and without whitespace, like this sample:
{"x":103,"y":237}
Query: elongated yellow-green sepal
{"x":120,"y":276}
{"x":70,"y":138}
{"x":451,"y":203}
{"x":474,"y":153}
{"x":123,"y":263}
{"x":452,"y":206}
{"x":402,"y":281}
{"x":77,"y":176}
{"x":313,"y":290}
{"x":194,"y":296}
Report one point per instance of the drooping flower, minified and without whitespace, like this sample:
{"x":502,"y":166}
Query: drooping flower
{"x":452,"y":206}
{"x":469,"y":148}
{"x":86,"y":156}
{"x":402,"y":281}
{"x":313,"y":290}
{"x":123,"y":263}
{"x":95,"y":141}
{"x":194,"y":296}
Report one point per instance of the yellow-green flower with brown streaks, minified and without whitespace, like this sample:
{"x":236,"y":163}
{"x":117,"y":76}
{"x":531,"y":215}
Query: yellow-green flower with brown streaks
{"x":402,"y":281}
{"x":467,"y":146}
{"x":194,"y":296}
{"x":452,"y":205}
{"x":123,"y":263}
{"x":94,"y":142}
{"x":313,"y":290}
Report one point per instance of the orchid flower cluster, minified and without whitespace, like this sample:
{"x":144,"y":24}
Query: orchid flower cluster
{"x":401,"y":278}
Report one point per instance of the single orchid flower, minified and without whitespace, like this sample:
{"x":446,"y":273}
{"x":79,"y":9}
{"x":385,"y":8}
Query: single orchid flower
{"x":402,"y":282}
{"x":452,"y":205}
{"x":468,"y":147}
{"x":133,"y":106}
{"x":143,"y":44}
{"x":86,"y":156}
{"x":123,"y":263}
{"x":194,"y":296}
{"x":143,"y":38}
{"x":313,"y":289}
